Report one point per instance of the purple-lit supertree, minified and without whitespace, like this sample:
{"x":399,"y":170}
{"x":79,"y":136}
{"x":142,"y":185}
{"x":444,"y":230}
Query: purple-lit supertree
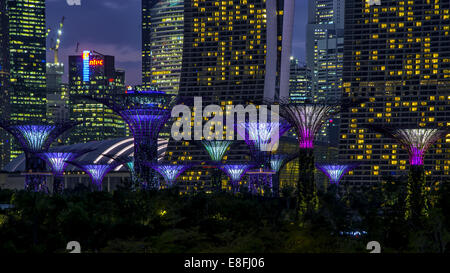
{"x":58,"y":162}
{"x":416,"y":142}
{"x":335,"y":172}
{"x":170,"y":172}
{"x":235,"y":172}
{"x":146,"y":114}
{"x":262,"y":139}
{"x":95,"y":171}
{"x":35,"y":139}
{"x":216,"y":150}
{"x":306,"y":119}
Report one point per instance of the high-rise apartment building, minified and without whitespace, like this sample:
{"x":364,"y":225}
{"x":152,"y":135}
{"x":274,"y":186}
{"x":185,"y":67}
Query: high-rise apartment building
{"x":27,"y":61}
{"x":325,"y":48}
{"x":396,"y":60}
{"x":234,"y":52}
{"x":162,"y":44}
{"x":4,"y":82}
{"x":299,"y":82}
{"x":93,"y":74}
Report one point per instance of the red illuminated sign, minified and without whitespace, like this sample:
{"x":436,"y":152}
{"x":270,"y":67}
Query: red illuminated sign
{"x":96,"y":62}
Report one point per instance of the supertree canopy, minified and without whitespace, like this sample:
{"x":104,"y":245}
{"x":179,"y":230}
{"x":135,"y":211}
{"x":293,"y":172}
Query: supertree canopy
{"x":235,"y":172}
{"x":58,"y":162}
{"x":216,"y":148}
{"x":95,"y":171}
{"x":335,"y":172}
{"x":277,"y":161}
{"x":146,"y":114}
{"x":34,"y":139}
{"x":417,"y":142}
{"x":307,"y":119}
{"x":170,"y":172}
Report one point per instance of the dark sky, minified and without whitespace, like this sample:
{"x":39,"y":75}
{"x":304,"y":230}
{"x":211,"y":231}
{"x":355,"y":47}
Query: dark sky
{"x":112,"y":27}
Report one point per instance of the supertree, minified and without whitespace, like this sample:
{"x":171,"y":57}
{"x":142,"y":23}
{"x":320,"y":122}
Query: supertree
{"x":146,"y":115}
{"x":95,"y":171}
{"x":216,"y":150}
{"x":58,"y":162}
{"x":335,"y":172}
{"x":235,"y":172}
{"x":262,"y":139}
{"x":306,"y":119}
{"x":277,"y":161}
{"x":170,"y":172}
{"x":416,"y":142}
{"x":35,"y":139}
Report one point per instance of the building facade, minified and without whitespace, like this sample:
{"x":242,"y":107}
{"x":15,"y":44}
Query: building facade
{"x":162,"y":44}
{"x":4,"y":82}
{"x":299,"y":82}
{"x":396,"y":60}
{"x":93,"y":74}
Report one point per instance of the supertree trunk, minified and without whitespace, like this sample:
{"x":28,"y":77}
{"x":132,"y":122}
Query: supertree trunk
{"x":35,"y":182}
{"x":216,"y":180}
{"x":146,"y":176}
{"x":58,"y":184}
{"x":308,"y":201}
{"x":276,"y":184}
{"x":416,"y":199}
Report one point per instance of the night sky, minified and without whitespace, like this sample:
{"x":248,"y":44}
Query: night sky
{"x":112,"y":27}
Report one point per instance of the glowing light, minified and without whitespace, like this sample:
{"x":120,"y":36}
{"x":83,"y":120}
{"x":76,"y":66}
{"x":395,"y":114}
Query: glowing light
{"x":335,"y":172}
{"x":86,"y":66}
{"x":216,"y":148}
{"x":97,"y":173}
{"x":96,"y":62}
{"x":170,"y":172}
{"x":35,"y":136}
{"x":263,"y":136}
{"x":307,"y":120}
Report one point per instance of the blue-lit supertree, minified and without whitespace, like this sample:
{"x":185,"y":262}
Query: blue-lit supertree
{"x":35,"y":139}
{"x":262,"y":139}
{"x":335,"y":172}
{"x":170,"y":172}
{"x":58,"y":162}
{"x":277,"y":161}
{"x":235,"y":172}
{"x":216,"y":150}
{"x":95,"y":171}
{"x":146,"y":114}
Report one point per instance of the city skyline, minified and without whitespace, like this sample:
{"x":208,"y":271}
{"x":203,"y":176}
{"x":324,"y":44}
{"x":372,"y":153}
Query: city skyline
{"x":89,"y":26}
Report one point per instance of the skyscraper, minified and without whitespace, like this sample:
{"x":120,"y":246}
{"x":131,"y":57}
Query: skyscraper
{"x":162,"y":44}
{"x":325,"y":48}
{"x":299,"y":82}
{"x":4,"y":82}
{"x":234,"y":52}
{"x":27,"y":59}
{"x":396,"y":59}
{"x":95,"y":75}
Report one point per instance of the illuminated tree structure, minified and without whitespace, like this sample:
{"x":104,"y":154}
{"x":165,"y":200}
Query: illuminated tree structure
{"x":416,"y":142}
{"x":277,"y":161}
{"x":96,"y":172}
{"x":235,"y":172}
{"x":216,"y":150}
{"x":335,"y":172}
{"x":146,"y":115}
{"x":128,"y":163}
{"x":170,"y":173}
{"x":307,"y":119}
{"x":58,"y":163}
{"x":35,"y":139}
